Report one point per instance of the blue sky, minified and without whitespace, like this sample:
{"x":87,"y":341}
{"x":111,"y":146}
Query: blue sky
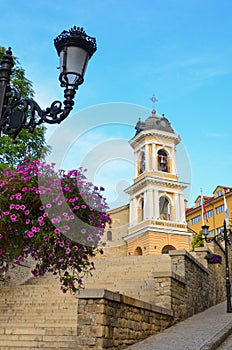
{"x":176,"y":49}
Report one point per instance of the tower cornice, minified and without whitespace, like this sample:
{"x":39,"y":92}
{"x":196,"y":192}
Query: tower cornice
{"x":154,"y":133}
{"x":158,"y":181}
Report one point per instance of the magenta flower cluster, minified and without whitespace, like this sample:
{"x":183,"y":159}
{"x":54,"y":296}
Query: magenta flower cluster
{"x":56,"y":217}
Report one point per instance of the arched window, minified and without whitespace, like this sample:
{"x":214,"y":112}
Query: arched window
{"x":164,"y":208}
{"x":142,"y":163}
{"x":141,"y":210}
{"x":162,"y":160}
{"x":166,"y":249}
{"x":109,"y":236}
{"x":138,"y":251}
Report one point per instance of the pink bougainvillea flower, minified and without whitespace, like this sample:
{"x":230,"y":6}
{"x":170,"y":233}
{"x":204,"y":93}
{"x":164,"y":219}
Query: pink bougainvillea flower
{"x":27,"y":229}
{"x":57,"y":231}
{"x":30,"y":234}
{"x":13,"y":217}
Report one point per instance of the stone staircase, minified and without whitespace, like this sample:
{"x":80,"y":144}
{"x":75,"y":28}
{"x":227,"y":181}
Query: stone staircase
{"x":37,"y":316}
{"x":129,"y":275}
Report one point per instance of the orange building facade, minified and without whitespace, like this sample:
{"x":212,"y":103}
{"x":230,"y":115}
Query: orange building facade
{"x":214,"y":215}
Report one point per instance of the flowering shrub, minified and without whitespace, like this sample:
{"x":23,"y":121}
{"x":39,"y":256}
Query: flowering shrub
{"x":57,"y":218}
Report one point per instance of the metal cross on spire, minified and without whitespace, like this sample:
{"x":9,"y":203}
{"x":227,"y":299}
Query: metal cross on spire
{"x":153,"y":100}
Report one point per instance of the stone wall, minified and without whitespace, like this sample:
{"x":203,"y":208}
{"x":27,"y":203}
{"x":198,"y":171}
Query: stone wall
{"x":191,"y":287}
{"x":109,"y":320}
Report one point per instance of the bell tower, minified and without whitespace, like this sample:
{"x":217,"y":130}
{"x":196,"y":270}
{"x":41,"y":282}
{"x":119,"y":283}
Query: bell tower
{"x":157,"y":208}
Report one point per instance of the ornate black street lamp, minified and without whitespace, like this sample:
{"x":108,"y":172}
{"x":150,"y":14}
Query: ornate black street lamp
{"x":217,"y":239}
{"x":74,"y":48}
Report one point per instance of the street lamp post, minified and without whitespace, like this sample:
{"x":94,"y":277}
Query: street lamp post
{"x":219,"y":238}
{"x":74,"y":48}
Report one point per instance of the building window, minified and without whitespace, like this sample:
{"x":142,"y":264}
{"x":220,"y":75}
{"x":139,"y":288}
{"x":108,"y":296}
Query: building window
{"x":212,"y":232}
{"x":142,"y":163}
{"x":187,"y":223}
{"x":219,"y":193}
{"x":220,"y":230}
{"x":220,"y":209}
{"x":199,"y":203}
{"x":196,"y":219}
{"x":162,"y":160}
{"x":164,"y":208}
{"x":141,"y":210}
{"x":109,"y":236}
{"x":209,"y":213}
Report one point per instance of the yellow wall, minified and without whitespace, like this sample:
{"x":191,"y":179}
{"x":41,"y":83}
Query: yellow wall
{"x":214,"y":222}
{"x":118,"y":227}
{"x":154,"y":242}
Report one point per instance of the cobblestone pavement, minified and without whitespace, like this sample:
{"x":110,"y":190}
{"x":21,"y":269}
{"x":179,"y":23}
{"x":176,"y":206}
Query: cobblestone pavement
{"x":204,"y":331}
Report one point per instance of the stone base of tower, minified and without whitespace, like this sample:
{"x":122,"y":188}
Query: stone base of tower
{"x":158,"y":243}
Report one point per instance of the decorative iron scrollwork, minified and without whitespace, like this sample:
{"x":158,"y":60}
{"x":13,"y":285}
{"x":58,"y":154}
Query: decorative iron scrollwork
{"x":25,"y":113}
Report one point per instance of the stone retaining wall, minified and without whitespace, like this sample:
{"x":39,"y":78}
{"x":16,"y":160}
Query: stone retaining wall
{"x":191,"y":287}
{"x":109,"y":320}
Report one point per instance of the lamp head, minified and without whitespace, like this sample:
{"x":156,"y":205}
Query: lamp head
{"x":74,"y":48}
{"x":205,"y":229}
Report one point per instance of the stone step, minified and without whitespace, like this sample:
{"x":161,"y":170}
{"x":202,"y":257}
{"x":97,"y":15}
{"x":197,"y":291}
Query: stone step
{"x":40,"y":325}
{"x":40,"y":302}
{"x":48,"y":330}
{"x":34,"y":309}
{"x":27,"y":315}
{"x":45,"y":343}
{"x":36,"y":295}
{"x":33,"y":320}
{"x":34,"y":348}
{"x":35,"y":317}
{"x":36,"y":337}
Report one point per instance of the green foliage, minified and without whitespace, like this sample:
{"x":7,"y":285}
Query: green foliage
{"x":197,"y":241}
{"x":18,"y":78}
{"x":32,"y":146}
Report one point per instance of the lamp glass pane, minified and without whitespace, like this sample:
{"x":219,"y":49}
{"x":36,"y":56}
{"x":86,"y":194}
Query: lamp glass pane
{"x":77,"y":59}
{"x":205,"y":230}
